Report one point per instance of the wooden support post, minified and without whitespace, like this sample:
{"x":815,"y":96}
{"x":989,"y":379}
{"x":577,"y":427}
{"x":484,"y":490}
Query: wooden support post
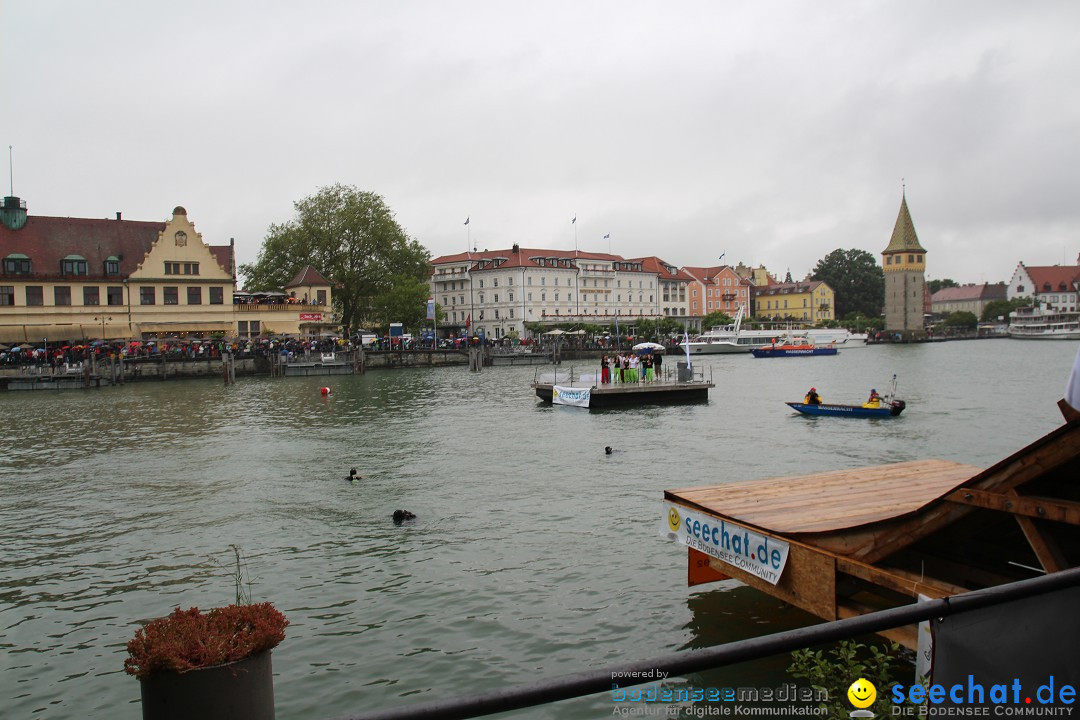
{"x":1048,"y":552}
{"x":1065,"y":511}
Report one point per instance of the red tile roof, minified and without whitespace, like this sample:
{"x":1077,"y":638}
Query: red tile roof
{"x":970,"y":292}
{"x":1058,"y":277}
{"x":48,"y":240}
{"x":523,"y":257}
{"x":308,"y":276}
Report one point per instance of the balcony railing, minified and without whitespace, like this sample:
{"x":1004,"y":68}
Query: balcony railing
{"x":280,"y":307}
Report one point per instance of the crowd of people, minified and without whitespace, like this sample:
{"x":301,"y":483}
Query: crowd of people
{"x":630,"y":368}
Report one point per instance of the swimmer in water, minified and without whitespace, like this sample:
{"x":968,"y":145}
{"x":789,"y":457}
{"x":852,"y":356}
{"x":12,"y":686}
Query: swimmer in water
{"x":608,"y":450}
{"x":401,"y":516}
{"x":353,"y":476}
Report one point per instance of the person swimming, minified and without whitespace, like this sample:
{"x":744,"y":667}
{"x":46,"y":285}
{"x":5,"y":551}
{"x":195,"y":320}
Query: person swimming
{"x":608,"y":450}
{"x":401,"y":516}
{"x":353,"y":476}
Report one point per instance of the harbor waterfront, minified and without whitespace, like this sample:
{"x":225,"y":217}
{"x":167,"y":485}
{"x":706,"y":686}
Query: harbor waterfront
{"x":533,"y":554}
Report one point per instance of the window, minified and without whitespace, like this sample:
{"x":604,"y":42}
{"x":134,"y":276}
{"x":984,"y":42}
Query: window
{"x":511,"y":313}
{"x":172,"y":268}
{"x":253,"y":326}
{"x":496,"y":297}
{"x":35,"y":295}
{"x":511,"y":297}
{"x":194,"y":296}
{"x":217,"y":296}
{"x":91,"y":295}
{"x":146,"y":296}
{"x":911,"y":259}
{"x":73,"y":265}
{"x":62,"y":295}
{"x":543,"y":297}
{"x":496,"y":313}
{"x":7,"y":294}
{"x":114,"y":295}
{"x":481,"y":297}
{"x":496,"y":282}
{"x":888,"y":259}
{"x":17,"y":265}
{"x":320,"y":296}
{"x":242,"y":328}
{"x":191,"y":268}
{"x":112,"y":266}
{"x":170,"y":296}
{"x":481,"y":285}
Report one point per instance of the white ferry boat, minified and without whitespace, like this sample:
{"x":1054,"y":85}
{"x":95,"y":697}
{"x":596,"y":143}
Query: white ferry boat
{"x":733,"y":339}
{"x":1039,"y":323}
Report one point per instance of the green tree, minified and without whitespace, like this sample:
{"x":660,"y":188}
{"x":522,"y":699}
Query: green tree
{"x":961,"y":319}
{"x":935,"y":285}
{"x":1001,"y":308}
{"x":351,"y":236}
{"x":715,"y":318}
{"x":856,"y":279}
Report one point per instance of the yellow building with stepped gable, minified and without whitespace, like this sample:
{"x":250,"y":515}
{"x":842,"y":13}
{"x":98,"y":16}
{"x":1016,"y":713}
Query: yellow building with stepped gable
{"x":78,"y":279}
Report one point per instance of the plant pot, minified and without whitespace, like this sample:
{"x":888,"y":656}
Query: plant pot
{"x":240,"y":690}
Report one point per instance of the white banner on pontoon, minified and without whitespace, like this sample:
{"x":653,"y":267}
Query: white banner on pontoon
{"x":578,"y":397}
{"x":733,"y":544}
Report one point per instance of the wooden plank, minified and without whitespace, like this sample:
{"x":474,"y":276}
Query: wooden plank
{"x":828,"y":501}
{"x":1068,"y":412}
{"x":1048,"y":552}
{"x":898,"y":580}
{"x":907,"y":635}
{"x":1029,"y":505}
{"x":808,"y":582}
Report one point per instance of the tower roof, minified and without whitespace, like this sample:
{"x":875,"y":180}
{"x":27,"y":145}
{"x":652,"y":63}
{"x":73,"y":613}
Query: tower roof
{"x":904,"y":238}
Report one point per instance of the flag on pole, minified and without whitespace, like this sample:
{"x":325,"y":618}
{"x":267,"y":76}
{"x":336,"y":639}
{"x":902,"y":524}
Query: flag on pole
{"x":431,"y":308}
{"x":607,"y":236}
{"x":574,"y":220}
{"x":468,"y":322}
{"x":467,"y":220}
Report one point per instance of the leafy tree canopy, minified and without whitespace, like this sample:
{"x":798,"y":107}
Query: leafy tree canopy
{"x":1001,"y":308}
{"x":351,"y":236}
{"x":856,"y":279}
{"x":715,"y":318}
{"x":935,"y":285}
{"x":961,"y":318}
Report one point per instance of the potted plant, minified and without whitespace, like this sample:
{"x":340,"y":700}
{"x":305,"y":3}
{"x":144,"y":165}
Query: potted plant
{"x":208,"y":665}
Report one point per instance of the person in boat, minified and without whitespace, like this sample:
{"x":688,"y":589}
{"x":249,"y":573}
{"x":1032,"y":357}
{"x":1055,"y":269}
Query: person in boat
{"x":353,"y":476}
{"x":812,"y":397}
{"x":874,"y":400}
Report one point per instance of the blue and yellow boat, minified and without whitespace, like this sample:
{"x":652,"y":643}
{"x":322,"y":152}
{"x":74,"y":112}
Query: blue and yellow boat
{"x":884,"y":410}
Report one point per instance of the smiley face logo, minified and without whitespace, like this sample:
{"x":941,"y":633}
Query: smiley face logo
{"x":673,"y":519}
{"x":862,"y":693}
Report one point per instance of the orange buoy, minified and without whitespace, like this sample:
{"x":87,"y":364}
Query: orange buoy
{"x":325,"y":391}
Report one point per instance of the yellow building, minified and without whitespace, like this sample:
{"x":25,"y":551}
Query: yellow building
{"x":809,"y":302}
{"x":82,"y":278}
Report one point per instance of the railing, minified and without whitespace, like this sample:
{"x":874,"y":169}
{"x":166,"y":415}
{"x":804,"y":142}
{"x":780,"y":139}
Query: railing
{"x":589,"y":682}
{"x":280,"y":307}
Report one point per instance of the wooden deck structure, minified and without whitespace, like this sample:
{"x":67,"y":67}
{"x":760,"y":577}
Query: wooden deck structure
{"x":874,"y":538}
{"x":659,"y":392}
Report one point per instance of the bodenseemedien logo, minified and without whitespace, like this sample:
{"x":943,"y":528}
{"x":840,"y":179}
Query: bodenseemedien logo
{"x":861,"y":695}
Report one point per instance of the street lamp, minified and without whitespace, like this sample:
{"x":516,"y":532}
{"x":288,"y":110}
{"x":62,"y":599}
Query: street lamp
{"x":103,"y":319}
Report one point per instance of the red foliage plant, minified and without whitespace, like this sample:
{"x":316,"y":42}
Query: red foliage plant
{"x":188,"y":639}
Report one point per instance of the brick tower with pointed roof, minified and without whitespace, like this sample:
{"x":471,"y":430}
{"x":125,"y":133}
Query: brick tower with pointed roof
{"x":904,"y":262}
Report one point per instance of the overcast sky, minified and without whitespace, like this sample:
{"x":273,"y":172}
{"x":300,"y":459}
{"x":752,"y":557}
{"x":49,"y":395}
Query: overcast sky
{"x":770,"y":132}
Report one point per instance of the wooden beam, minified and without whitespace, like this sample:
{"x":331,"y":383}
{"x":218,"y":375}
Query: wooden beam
{"x":898,"y":580}
{"x":907,"y":635}
{"x":1043,"y":508}
{"x":1048,"y":552}
{"x":1068,"y":412}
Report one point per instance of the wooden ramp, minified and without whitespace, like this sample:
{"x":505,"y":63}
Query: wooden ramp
{"x":873,"y":538}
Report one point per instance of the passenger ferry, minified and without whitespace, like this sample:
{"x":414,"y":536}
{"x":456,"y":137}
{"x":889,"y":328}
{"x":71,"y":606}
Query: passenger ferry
{"x":732,"y":339}
{"x":1039,"y":323}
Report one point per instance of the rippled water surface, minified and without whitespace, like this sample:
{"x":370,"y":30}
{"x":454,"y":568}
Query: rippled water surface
{"x":534,"y":554}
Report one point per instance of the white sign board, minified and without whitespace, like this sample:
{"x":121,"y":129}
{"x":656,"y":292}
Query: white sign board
{"x":578,"y":397}
{"x":735,"y":545}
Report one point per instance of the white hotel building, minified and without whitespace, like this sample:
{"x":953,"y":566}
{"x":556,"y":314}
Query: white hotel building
{"x":498,"y":291}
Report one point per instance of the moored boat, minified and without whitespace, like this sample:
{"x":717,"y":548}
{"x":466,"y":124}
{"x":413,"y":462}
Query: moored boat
{"x":794,"y":347}
{"x":1039,"y":323}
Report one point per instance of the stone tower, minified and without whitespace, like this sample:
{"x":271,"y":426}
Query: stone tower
{"x":904,"y":262}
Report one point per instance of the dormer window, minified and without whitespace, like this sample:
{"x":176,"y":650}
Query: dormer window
{"x":73,"y":265}
{"x":112,"y":265}
{"x":16,"y":264}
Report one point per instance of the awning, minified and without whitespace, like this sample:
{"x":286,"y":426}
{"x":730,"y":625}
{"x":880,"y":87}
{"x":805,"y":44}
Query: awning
{"x":182,"y":326}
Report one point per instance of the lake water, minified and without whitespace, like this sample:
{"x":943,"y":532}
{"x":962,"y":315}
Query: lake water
{"x":533,"y":554}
